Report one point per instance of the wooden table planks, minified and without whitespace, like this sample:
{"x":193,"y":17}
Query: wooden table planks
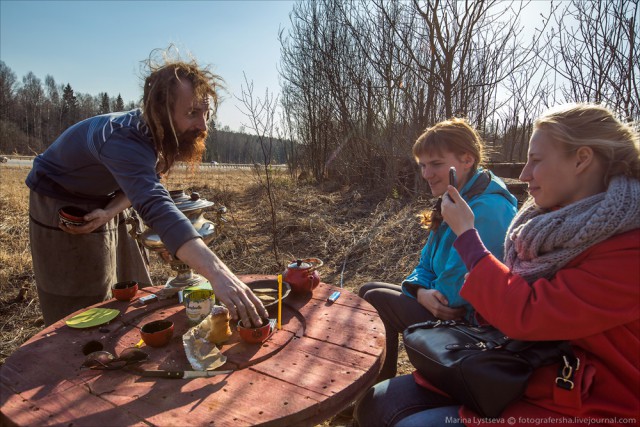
{"x":322,"y":359}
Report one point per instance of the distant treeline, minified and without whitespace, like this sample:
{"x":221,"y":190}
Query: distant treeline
{"x":226,"y":146}
{"x":33,"y":114}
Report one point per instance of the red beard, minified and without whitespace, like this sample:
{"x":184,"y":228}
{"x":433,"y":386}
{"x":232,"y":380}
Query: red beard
{"x":192,"y":146}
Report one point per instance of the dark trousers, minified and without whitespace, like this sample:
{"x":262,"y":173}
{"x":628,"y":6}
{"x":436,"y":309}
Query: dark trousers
{"x":401,"y":402}
{"x":397,"y":312}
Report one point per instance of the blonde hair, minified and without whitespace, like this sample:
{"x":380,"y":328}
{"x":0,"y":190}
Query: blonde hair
{"x":456,"y":136}
{"x":593,"y":125}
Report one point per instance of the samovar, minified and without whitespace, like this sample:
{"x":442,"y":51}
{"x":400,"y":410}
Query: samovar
{"x":192,"y":206}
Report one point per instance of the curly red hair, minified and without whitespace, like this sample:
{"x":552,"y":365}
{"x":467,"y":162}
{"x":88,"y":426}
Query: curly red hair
{"x":158,"y":101}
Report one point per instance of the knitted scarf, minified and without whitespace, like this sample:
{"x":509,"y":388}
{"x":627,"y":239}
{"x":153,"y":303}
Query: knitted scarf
{"x":540,"y":242}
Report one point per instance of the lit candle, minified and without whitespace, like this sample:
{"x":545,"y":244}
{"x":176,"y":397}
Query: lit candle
{"x":279,"y":301}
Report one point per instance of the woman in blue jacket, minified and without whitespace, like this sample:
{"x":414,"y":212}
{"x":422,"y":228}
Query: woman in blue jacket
{"x":431,"y":291}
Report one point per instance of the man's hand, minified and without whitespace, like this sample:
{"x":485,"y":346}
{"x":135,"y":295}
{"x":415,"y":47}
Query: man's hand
{"x":232,"y":292}
{"x":456,"y":212}
{"x":438,"y":305}
{"x":99,"y":217}
{"x":94,"y":219}
{"x":239,"y":299}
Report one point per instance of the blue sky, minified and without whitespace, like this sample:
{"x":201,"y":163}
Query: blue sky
{"x":97,"y":46}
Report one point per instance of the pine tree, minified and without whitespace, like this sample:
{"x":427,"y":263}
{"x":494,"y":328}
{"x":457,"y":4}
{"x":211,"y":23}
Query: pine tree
{"x":69,"y":107}
{"x":119,"y":104}
{"x":105,"y":106}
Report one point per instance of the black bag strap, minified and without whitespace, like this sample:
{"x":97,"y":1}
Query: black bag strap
{"x":481,"y":337}
{"x":430,"y":324}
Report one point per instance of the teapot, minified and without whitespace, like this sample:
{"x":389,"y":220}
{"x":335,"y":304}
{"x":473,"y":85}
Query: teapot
{"x":301,"y":274}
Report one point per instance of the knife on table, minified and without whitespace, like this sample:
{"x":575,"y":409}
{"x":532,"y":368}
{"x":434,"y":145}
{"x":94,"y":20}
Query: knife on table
{"x":181,"y":374}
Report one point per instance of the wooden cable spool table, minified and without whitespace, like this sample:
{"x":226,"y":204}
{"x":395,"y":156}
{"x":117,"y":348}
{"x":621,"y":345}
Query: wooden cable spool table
{"x":321,"y":360}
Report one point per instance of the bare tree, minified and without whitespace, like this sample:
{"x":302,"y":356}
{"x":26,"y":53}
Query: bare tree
{"x":8,"y":83}
{"x":362,"y":79}
{"x":528,"y":90}
{"x":53,"y":110}
{"x":31,"y":96}
{"x":594,"y":50}
{"x":261,"y":114}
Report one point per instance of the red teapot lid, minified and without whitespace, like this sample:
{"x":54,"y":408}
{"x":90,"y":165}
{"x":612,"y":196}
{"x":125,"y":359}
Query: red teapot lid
{"x":299,"y":264}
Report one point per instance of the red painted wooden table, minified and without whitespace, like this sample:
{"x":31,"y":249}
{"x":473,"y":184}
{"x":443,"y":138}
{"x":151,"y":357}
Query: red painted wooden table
{"x":321,"y":360}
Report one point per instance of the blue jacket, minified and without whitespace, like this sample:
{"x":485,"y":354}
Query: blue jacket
{"x":440,"y":266}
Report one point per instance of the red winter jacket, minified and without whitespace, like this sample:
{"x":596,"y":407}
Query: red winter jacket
{"x":594,"y":302}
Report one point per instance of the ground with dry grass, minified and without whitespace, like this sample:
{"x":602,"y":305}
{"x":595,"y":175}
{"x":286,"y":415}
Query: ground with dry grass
{"x":360,"y":236}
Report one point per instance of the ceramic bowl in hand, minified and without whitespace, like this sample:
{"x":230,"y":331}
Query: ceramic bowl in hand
{"x":124,"y":291}
{"x":72,"y":215}
{"x":255,"y":335}
{"x":157,"y":333}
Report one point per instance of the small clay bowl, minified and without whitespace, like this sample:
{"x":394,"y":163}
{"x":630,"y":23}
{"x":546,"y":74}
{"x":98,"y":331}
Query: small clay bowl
{"x":257,"y":335}
{"x":72,"y":215}
{"x":157,"y":333}
{"x":124,"y":291}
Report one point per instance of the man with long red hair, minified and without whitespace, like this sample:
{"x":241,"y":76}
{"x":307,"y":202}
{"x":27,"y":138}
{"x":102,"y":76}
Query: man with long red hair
{"x":107,"y":164}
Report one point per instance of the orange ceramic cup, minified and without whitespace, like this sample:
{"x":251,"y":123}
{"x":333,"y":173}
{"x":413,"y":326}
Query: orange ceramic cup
{"x":71,"y":215}
{"x":157,"y":333}
{"x":257,"y":335}
{"x":124,"y":291}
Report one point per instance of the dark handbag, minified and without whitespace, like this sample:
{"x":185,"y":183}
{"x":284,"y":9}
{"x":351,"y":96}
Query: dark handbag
{"x":479,"y":366}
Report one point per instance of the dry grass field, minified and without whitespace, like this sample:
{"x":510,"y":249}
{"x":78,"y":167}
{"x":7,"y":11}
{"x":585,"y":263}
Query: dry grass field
{"x":360,"y":236}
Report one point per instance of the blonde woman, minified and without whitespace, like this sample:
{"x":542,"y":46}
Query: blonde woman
{"x":571,"y":272}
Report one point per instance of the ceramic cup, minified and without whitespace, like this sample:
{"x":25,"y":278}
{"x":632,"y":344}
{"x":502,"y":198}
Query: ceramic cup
{"x":257,"y":335}
{"x":124,"y":291}
{"x":71,"y":215}
{"x":157,"y":333}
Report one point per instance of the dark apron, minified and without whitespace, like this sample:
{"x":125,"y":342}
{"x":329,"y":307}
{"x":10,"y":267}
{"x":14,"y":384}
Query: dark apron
{"x":74,"y":271}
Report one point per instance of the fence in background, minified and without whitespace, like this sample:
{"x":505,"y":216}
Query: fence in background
{"x":202,"y":165}
{"x":238,"y":165}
